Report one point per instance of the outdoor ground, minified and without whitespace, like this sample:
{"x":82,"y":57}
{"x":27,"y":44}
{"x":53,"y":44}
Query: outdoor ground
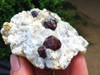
{"x":91,"y":11}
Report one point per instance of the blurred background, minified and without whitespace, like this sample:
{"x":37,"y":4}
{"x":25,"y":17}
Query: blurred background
{"x":84,"y":15}
{"x":91,"y":10}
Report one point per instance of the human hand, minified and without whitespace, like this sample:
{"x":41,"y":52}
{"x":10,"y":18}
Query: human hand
{"x":20,"y":66}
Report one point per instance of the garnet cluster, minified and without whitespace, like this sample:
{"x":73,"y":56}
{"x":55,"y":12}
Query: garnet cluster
{"x":51,"y":42}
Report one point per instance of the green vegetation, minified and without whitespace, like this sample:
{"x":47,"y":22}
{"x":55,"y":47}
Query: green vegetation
{"x":8,"y":8}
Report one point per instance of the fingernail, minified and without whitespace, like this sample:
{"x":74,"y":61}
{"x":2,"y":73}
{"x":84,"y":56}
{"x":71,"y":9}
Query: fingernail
{"x":15,"y":63}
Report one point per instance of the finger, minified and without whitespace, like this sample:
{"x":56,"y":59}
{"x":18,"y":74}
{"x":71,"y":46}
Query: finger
{"x":62,"y":72}
{"x":42,"y":72}
{"x":20,"y":66}
{"x":78,"y":66}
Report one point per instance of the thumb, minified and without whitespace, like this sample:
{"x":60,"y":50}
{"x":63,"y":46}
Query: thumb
{"x":20,"y":66}
{"x":78,"y":66}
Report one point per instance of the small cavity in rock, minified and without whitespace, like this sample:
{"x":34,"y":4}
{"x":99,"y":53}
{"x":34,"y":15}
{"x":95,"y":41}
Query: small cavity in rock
{"x":46,"y":68}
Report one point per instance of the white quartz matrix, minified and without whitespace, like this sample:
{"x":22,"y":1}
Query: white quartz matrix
{"x":25,"y":34}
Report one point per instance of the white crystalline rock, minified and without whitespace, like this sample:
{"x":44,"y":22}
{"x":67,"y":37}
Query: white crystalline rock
{"x":26,"y":34}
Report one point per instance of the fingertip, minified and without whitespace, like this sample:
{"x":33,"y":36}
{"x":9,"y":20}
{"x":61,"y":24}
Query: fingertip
{"x":78,"y":57}
{"x":78,"y":66}
{"x":25,"y":68}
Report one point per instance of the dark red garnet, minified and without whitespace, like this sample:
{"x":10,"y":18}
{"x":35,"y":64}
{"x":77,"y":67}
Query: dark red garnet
{"x":52,"y":43}
{"x":51,"y":24}
{"x":41,"y":51}
{"x":34,"y":13}
{"x":46,"y":68}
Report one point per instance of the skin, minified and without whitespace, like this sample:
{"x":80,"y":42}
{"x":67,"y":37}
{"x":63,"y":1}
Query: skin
{"x":77,"y":67}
